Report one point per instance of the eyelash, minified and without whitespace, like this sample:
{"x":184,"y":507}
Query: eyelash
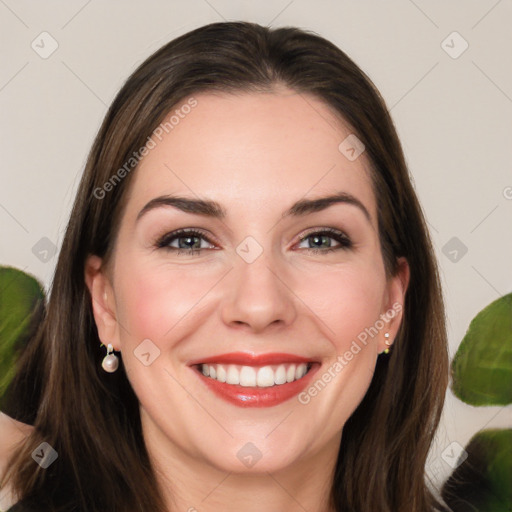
{"x":340,"y":237}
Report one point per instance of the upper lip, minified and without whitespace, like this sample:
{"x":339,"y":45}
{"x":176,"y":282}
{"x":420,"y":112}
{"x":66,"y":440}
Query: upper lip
{"x":247,"y":359}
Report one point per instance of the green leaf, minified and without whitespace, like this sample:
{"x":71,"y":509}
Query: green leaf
{"x":19,"y":296}
{"x":482,"y":366}
{"x":482,"y":482}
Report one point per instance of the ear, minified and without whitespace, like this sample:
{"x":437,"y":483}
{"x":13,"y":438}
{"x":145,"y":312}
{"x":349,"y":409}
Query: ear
{"x":394,"y":304}
{"x":103,"y":303}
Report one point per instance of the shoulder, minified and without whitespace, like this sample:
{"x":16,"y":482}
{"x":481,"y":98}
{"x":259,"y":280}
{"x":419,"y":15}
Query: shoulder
{"x":20,"y":508}
{"x":12,"y":433}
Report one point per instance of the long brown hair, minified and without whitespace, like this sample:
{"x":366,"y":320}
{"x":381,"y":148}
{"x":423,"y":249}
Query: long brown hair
{"x":92,"y":418}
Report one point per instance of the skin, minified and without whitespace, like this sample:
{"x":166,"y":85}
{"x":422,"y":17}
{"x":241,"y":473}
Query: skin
{"x":255,"y":154}
{"x":12,"y":434}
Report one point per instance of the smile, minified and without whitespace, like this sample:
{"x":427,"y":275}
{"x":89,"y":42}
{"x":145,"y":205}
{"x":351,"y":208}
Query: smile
{"x":261,"y":377}
{"x":246,"y":380}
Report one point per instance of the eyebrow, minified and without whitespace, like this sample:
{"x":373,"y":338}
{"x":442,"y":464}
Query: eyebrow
{"x":213,"y":209}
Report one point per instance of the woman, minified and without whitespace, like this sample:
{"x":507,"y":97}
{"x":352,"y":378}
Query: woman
{"x":246,"y":312}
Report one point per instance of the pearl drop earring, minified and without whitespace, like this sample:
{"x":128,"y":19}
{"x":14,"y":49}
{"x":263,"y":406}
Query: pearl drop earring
{"x":110,"y":362}
{"x":388,"y":342}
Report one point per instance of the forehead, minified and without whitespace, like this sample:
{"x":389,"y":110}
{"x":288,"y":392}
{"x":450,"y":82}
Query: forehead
{"x":264,"y":150}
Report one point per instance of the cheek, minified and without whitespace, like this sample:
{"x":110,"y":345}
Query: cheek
{"x":154,"y":299}
{"x":348,"y":301}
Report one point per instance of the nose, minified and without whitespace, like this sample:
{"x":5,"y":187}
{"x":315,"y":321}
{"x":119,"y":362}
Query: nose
{"x":257,"y":296}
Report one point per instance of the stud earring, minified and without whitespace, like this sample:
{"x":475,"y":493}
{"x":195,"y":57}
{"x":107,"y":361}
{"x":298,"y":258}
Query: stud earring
{"x":110,"y":362}
{"x":388,"y":342}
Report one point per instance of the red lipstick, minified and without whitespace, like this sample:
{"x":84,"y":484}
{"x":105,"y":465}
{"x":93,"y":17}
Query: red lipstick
{"x":256,"y":396}
{"x":246,"y":359}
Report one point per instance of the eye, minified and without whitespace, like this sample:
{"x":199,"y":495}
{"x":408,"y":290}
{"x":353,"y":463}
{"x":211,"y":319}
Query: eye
{"x":184,"y":241}
{"x":319,"y":241}
{"x":190,"y":241}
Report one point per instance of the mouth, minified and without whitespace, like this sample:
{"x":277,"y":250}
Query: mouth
{"x":256,"y":381}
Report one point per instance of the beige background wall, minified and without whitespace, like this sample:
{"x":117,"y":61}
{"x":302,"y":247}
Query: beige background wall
{"x":452,"y":108}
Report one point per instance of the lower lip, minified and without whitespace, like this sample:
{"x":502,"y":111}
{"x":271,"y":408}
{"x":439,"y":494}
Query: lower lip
{"x":258,"y":397}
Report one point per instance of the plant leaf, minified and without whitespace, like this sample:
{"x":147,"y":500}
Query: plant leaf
{"x":483,"y":481}
{"x":482,"y":366}
{"x":19,"y":296}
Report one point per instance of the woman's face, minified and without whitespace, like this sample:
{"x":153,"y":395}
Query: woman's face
{"x":269,"y":284}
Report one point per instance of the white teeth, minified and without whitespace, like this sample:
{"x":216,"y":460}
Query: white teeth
{"x":299,"y":372}
{"x":265,"y":377}
{"x":221,"y":373}
{"x":247,"y":376}
{"x":280,"y":377}
{"x":251,"y":376}
{"x":233,"y":376}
